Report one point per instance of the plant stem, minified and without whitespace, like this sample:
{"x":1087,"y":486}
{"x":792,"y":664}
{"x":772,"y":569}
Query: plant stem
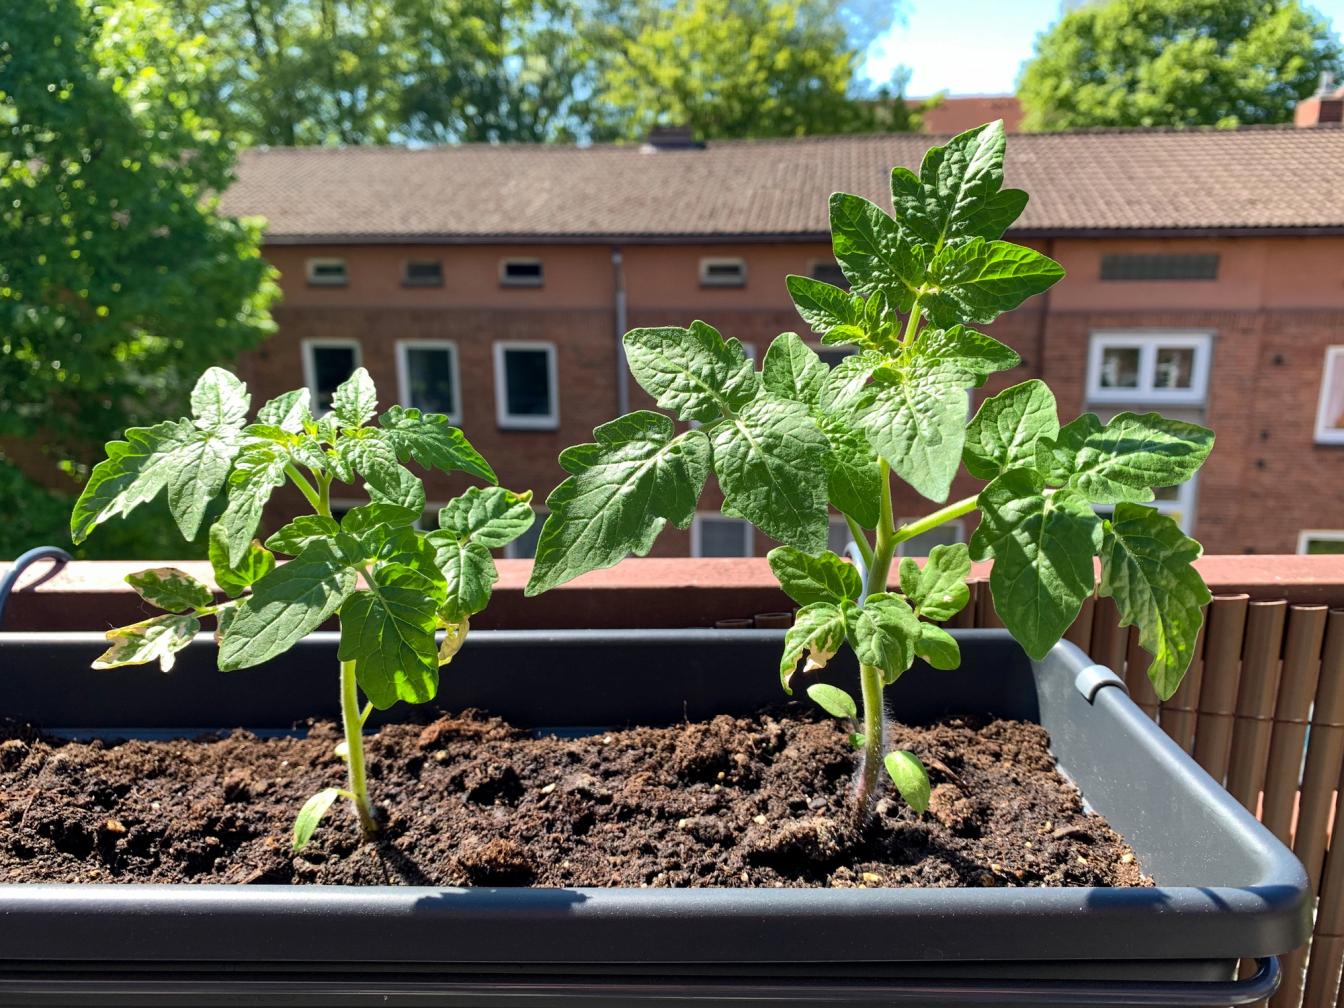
{"x":880,"y":565}
{"x":354,"y":744}
{"x":860,"y":538}
{"x":874,"y":738}
{"x":945,"y":514}
{"x":323,"y":494}
{"x":305,"y":487}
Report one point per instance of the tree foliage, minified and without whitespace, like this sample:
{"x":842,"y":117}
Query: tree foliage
{"x":119,"y":280}
{"x":1176,"y":63}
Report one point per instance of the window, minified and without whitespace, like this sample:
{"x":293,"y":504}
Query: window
{"x":943,"y":535}
{"x":327,"y":363}
{"x":1148,"y":367}
{"x":1330,"y":411}
{"x":1160,"y":266}
{"x":525,"y":546}
{"x":716,"y":535}
{"x":723,"y":273}
{"x":520,"y":273}
{"x":326,"y":272}
{"x":423,"y":273}
{"x":427,"y":375}
{"x":829,"y":272}
{"x":1321,"y":542}
{"x":525,"y":386}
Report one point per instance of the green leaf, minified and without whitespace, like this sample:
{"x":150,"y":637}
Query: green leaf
{"x":1042,"y":549}
{"x":996,"y":215}
{"x":305,"y":824}
{"x":256,"y":563}
{"x":817,"y":633}
{"x":432,"y":441}
{"x":853,"y":477}
{"x":969,"y":356}
{"x":469,"y":571}
{"x":980,"y":280}
{"x":910,"y":778}
{"x":170,"y":589}
{"x":288,"y":604}
{"x":1133,"y":453}
{"x":132,"y":474}
{"x":219,"y":400}
{"x":1004,"y":432}
{"x":846,"y":385}
{"x":962,"y":176}
{"x":770,"y":459}
{"x":1057,"y":457}
{"x":792,"y":370}
{"x":355,"y":400}
{"x":388,"y":632}
{"x":623,"y":488}
{"x":359,"y":520}
{"x":293,"y":538}
{"x":491,"y":516}
{"x":807,"y":579}
{"x":693,"y":371}
{"x":290,"y":411}
{"x":883,"y":635}
{"x":257,"y":472}
{"x":937,"y":647}
{"x":833,"y":700}
{"x":158,"y":639}
{"x":375,"y":458}
{"x":872,"y":251}
{"x":1146,"y":567}
{"x":916,"y":420}
{"x":938,"y":591}
{"x":822,"y":306}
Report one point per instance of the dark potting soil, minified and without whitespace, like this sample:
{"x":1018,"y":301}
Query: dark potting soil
{"x":759,"y":801}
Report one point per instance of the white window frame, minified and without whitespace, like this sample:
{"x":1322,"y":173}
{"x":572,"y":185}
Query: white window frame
{"x":508,"y":421}
{"x":507,"y":281}
{"x":748,"y":534}
{"x":1182,"y":508}
{"x":310,"y":365}
{"x":1326,"y":432}
{"x":707,"y":279}
{"x":404,"y":371}
{"x":1326,"y":535}
{"x":1147,"y":343}
{"x":957,"y":524}
{"x":311,"y":265}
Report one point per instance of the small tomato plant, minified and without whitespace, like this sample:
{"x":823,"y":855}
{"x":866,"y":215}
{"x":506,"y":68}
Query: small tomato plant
{"x":790,"y":442}
{"x":392,"y":586}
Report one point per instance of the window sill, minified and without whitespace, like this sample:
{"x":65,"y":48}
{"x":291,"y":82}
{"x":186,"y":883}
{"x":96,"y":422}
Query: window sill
{"x":422,"y":283}
{"x":522,"y":283}
{"x":328,"y":283}
{"x":1330,"y":436}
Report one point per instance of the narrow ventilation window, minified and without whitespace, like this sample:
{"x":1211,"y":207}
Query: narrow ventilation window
{"x":1159,"y":266}
{"x":520,"y":273}
{"x":327,"y":272}
{"x":723,"y":273}
{"x":423,"y":273}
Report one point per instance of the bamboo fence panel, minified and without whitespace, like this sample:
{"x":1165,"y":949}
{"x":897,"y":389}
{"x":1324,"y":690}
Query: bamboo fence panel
{"x":1179,"y":713}
{"x":1255,"y":701}
{"x":1222,"y":672}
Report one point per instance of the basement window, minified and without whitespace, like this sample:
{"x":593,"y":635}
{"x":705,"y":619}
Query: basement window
{"x":326,"y":273}
{"x":1148,"y":367}
{"x":427,"y":375}
{"x":1160,"y":266}
{"x":423,"y":273}
{"x":1321,"y":542}
{"x":1330,"y":409}
{"x":716,"y":535}
{"x":723,"y":273}
{"x":326,"y":364}
{"x":526,"y":394}
{"x":520,"y":273}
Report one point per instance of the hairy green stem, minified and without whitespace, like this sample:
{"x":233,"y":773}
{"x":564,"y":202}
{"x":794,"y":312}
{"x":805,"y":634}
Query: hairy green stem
{"x":874,"y":738}
{"x":323,"y":494}
{"x":354,"y":744}
{"x":305,"y":487}
{"x":860,"y":538}
{"x":911,"y":325}
{"x":930,"y":521}
{"x":880,"y":566}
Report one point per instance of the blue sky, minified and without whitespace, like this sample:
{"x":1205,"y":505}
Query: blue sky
{"x":992,"y":39}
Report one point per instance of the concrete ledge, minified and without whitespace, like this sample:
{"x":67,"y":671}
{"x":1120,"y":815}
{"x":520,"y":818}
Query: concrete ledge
{"x":636,"y":593}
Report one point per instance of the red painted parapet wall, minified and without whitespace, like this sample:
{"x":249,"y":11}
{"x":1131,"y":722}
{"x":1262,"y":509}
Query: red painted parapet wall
{"x":636,"y":593}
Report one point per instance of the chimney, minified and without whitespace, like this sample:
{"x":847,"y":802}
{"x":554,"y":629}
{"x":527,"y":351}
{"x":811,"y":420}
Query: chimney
{"x":666,"y":138}
{"x":1325,"y":106}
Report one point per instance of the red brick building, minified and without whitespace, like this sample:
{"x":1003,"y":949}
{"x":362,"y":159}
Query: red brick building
{"x":1205,"y":280}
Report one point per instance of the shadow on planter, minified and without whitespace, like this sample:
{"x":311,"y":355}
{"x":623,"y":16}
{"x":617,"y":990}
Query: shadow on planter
{"x":1228,"y":889}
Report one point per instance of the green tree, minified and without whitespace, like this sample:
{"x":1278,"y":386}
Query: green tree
{"x":119,"y":279}
{"x":742,"y":68}
{"x":1176,"y":63}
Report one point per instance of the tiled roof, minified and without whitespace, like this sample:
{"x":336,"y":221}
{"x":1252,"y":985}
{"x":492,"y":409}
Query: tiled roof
{"x":955,"y":113}
{"x":1130,"y":180}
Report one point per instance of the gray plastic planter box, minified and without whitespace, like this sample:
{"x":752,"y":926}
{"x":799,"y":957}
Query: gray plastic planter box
{"x":1228,"y":890}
